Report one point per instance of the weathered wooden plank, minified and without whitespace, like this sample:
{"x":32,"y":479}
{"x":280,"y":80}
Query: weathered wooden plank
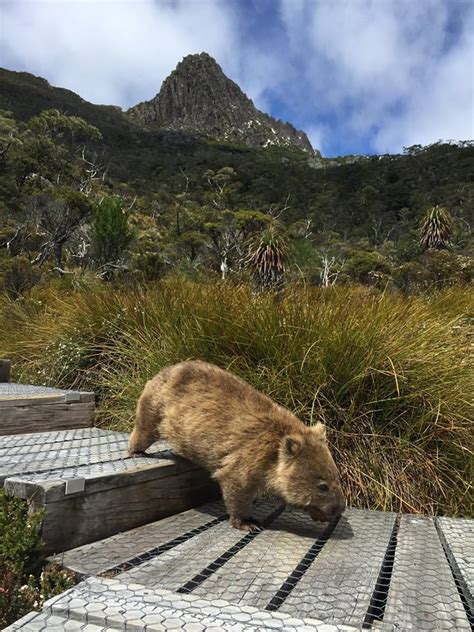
{"x":100,"y":557}
{"x":339,"y":584}
{"x":422,"y":593}
{"x":86,"y":517}
{"x":457,"y":536}
{"x":24,"y":390}
{"x":109,"y":602}
{"x":255,"y":574}
{"x":43,"y":417}
{"x":14,"y":401}
{"x":47,"y":622}
{"x":30,"y":460}
{"x":179,"y":565}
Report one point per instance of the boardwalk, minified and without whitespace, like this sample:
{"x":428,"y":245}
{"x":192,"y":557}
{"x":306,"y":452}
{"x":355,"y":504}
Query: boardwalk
{"x":189,"y":570}
{"x":192,"y":571}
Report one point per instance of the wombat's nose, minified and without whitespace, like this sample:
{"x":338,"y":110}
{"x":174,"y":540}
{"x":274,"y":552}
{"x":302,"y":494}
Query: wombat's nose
{"x":337,"y":508}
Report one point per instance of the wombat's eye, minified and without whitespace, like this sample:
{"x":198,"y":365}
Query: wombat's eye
{"x":323,"y":487}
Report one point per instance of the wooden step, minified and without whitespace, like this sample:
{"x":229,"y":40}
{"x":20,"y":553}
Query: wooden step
{"x":25,"y":408}
{"x":109,"y":604}
{"x":192,"y":571}
{"x":90,"y":489}
{"x":121,"y":551}
{"x":372,"y":569}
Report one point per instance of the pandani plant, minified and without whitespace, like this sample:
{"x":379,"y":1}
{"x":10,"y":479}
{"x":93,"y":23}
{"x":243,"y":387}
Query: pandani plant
{"x":436,"y":228}
{"x":267,"y":258}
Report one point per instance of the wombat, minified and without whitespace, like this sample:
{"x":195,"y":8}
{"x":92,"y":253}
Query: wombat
{"x":249,"y":444}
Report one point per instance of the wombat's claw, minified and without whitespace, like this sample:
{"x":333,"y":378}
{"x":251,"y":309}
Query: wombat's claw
{"x":248,"y":524}
{"x":136,"y":453}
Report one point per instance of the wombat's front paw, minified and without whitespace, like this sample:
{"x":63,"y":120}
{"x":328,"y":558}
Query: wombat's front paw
{"x":246,"y":524}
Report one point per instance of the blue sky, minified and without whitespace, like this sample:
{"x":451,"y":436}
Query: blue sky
{"x":359,"y":76}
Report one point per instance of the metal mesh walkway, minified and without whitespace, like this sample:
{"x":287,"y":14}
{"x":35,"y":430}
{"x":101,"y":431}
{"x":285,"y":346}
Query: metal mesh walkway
{"x":372,"y":570}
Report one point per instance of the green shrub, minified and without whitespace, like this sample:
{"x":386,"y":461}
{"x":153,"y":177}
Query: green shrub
{"x":24,"y":584}
{"x":111,"y":232}
{"x":434,"y":269}
{"x":361,"y":265}
{"x":17,"y":275}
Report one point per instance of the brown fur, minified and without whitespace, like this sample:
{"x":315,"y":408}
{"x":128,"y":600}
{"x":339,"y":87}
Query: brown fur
{"x":248,"y":443}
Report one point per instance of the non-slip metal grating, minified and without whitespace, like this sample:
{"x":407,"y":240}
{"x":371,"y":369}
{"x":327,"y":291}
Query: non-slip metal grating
{"x":368,"y":571}
{"x":84,"y":452}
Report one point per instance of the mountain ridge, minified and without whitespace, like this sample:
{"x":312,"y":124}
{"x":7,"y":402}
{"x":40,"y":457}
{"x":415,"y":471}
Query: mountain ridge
{"x":197,"y":96}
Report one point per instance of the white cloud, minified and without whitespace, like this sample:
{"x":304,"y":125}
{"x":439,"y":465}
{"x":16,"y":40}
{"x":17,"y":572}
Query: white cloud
{"x":377,"y":74}
{"x":109,"y":51}
{"x":381,"y":67}
{"x":442,"y":108}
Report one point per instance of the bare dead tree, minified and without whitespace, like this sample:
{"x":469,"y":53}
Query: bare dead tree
{"x":331,"y":268}
{"x":9,"y":241}
{"x":182,"y":199}
{"x":307,"y":229}
{"x":57,"y":220}
{"x":376,"y":227}
{"x":93,"y":172}
{"x":276,"y":212}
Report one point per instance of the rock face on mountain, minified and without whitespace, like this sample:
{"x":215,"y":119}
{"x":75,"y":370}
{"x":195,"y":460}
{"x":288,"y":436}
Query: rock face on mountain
{"x":197,"y":96}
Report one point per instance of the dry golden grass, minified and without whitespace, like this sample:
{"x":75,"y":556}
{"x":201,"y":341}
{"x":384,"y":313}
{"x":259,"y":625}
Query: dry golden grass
{"x":391,"y":376}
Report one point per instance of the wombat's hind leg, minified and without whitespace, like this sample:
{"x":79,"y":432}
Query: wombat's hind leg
{"x":146,"y":429}
{"x":139,"y":441}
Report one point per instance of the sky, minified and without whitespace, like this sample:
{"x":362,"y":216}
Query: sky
{"x":358,"y":76}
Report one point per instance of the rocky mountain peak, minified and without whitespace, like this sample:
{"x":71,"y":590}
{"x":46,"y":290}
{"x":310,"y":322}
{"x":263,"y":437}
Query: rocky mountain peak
{"x":197,"y":96}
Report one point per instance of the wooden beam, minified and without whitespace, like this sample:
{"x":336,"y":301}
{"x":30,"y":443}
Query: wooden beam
{"x":85,"y":517}
{"x":19,"y":419}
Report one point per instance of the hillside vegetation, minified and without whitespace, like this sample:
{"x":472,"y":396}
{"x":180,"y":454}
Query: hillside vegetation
{"x":194,"y":203}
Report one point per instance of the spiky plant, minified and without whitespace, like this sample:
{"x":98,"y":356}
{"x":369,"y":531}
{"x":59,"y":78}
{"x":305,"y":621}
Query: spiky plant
{"x":267,"y":257}
{"x":436,"y":229}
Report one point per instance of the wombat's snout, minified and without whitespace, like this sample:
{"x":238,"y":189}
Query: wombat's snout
{"x":337,"y":508}
{"x":338,"y":505}
{"x":328,"y":512}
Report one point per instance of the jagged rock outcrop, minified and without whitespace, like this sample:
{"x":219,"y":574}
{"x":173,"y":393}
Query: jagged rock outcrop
{"x":197,"y":96}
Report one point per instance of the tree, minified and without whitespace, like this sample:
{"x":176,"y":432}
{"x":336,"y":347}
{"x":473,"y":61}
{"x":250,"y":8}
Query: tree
{"x":331,"y":268}
{"x":63,"y":129}
{"x":52,"y":150}
{"x":110,"y":233}
{"x":9,"y":133}
{"x":228,"y":233}
{"x":56,"y":216}
{"x":192,"y":241}
{"x":436,"y":229}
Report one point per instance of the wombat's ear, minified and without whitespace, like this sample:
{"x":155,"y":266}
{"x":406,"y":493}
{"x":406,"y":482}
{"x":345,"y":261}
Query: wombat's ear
{"x":292,"y":445}
{"x":319,"y":430}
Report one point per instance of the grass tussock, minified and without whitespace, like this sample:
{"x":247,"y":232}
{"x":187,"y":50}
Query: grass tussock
{"x":391,"y":376}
